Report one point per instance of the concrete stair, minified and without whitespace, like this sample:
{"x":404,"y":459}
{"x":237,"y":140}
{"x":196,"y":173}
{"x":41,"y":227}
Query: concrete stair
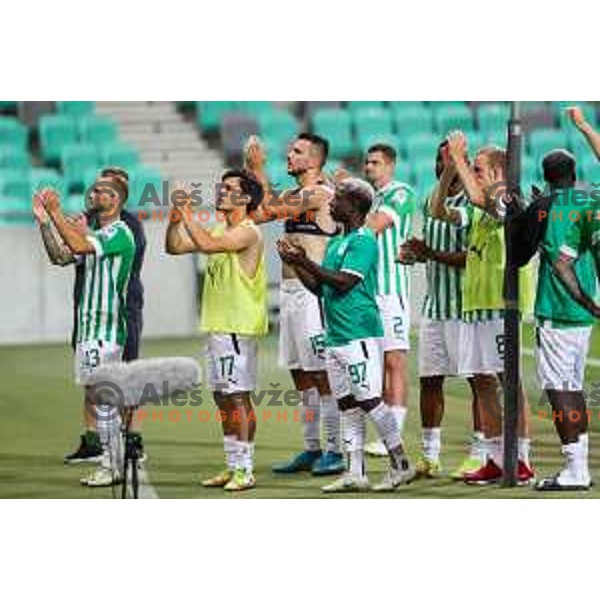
{"x":165,"y":141}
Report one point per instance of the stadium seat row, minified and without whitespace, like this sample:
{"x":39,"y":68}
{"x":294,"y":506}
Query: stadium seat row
{"x":59,"y":131}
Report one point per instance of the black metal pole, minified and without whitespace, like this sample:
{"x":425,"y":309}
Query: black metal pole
{"x":512,"y":317}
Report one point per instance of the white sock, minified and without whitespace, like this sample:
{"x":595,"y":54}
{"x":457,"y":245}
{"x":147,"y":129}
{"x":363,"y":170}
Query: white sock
{"x":478,"y":446}
{"x":311,"y":419}
{"x":495,"y":450}
{"x":331,"y":423}
{"x":524,"y":445}
{"x":230,"y":448}
{"x":574,"y":454}
{"x":399,"y":413}
{"x":388,"y":431}
{"x":355,"y":433}
{"x":585,"y":449}
{"x":432,"y":442}
{"x":246,"y":456}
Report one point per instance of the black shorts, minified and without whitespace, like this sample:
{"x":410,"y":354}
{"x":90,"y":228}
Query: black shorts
{"x":134,"y":336}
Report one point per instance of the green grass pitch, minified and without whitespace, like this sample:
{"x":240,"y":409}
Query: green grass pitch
{"x":40,"y":414}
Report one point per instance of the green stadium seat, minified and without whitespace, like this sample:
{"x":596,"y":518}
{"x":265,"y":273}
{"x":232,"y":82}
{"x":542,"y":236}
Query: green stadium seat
{"x":256,"y":108}
{"x":99,"y":131}
{"x":400,"y":105}
{"x":332,"y":166}
{"x":356,"y":105}
{"x":383,"y":138}
{"x":530,"y":174}
{"x":416,"y":119}
{"x":13,"y":157}
{"x":402,"y":171}
{"x":420,"y":146}
{"x":76,"y":108}
{"x":335,"y":125}
{"x":578,"y":144}
{"x":446,"y":118}
{"x":15,"y":184}
{"x":423,"y":176}
{"x":119,"y":155}
{"x":209,"y":113}
{"x":47,"y":178}
{"x":76,"y":161}
{"x":13,"y":132}
{"x":492,"y":116}
{"x":542,"y":141}
{"x":8,"y":105}
{"x":145,"y":186}
{"x":480,"y":139}
{"x":277,"y":129}
{"x":589,"y":169}
{"x":437,"y":104}
{"x":371,"y":122}
{"x":56,"y":132}
{"x":278,"y":175}
{"x":15,"y":211}
{"x":74,"y":204}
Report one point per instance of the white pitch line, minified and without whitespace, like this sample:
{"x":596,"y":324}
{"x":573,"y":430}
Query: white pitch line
{"x":146,"y":491}
{"x":592,"y":362}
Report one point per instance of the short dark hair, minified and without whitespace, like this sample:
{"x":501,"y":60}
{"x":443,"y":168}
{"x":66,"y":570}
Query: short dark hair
{"x":320,"y":142}
{"x":249,"y":185}
{"x":388,"y":151}
{"x":122,"y":177}
{"x":560,"y":168}
{"x":359,"y":191}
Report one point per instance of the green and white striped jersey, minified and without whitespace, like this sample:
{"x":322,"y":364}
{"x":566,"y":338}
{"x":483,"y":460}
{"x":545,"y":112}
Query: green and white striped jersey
{"x":398,"y":201}
{"x":101,"y":313}
{"x":443,"y":295}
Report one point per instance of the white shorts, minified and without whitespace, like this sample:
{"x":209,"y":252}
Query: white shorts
{"x":439,"y":347}
{"x":302,"y":334}
{"x":560,"y":356}
{"x":93,"y":354}
{"x":396,"y":322}
{"x":481,"y":347}
{"x":356,"y":369}
{"x":232,"y":361}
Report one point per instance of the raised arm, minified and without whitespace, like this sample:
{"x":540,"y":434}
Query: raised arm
{"x":279,"y":204}
{"x":437,"y":203}
{"x":457,"y":151}
{"x":74,"y":237}
{"x":55,"y":249}
{"x":592,"y":136}
{"x":177,"y":240}
{"x":564,"y":267}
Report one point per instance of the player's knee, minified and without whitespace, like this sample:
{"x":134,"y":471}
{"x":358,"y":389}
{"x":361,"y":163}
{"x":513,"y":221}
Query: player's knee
{"x":394,"y":360}
{"x":302,"y":379}
{"x":430,"y":384}
{"x":485,"y":381}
